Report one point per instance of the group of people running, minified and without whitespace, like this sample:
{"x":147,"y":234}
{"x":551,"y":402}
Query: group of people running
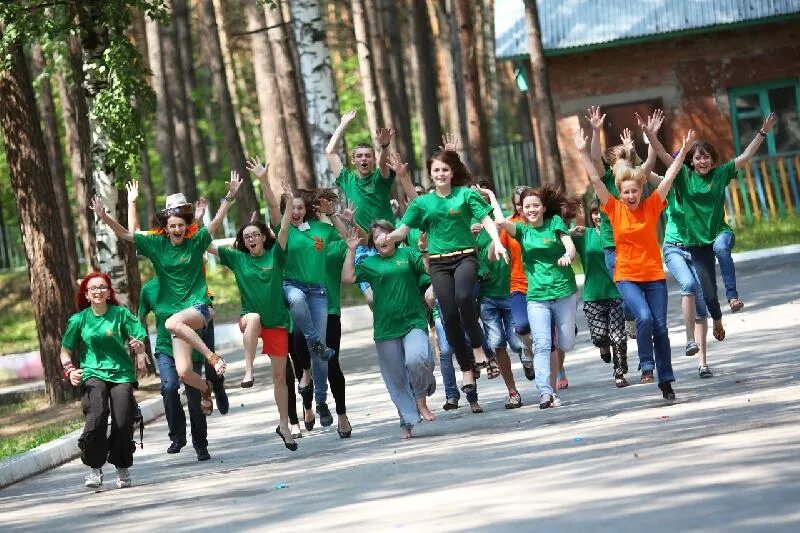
{"x":446,"y":264}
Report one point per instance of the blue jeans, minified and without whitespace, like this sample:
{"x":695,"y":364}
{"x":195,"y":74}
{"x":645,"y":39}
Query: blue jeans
{"x":545,"y":317}
{"x":519,"y":313}
{"x":648,"y":300}
{"x":406,"y":365}
{"x":173,"y":410}
{"x":610,"y":254}
{"x":705,"y":265}
{"x":498,"y":329}
{"x":680,"y":265}
{"x":723,"y":245}
{"x":451,"y":391}
{"x":308,"y":304}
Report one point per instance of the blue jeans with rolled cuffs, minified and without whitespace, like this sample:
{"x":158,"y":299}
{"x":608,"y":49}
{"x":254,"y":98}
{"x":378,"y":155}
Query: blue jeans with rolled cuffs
{"x":722,"y":246}
{"x":451,"y":391}
{"x":308,"y":304}
{"x":610,"y":254}
{"x":546,"y":316}
{"x":680,"y":265}
{"x":648,"y":300}
{"x":406,"y":365}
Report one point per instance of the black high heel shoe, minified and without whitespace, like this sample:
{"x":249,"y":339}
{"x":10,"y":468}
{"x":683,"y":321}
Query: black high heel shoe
{"x":344,"y":434}
{"x":309,"y":425}
{"x":666,"y":390}
{"x":289,"y":445}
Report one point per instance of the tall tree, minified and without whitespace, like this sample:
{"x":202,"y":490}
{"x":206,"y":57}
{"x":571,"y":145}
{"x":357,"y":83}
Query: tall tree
{"x":478,"y":135}
{"x":55,"y":157}
{"x":51,"y":286}
{"x":320,"y":87}
{"x":429,"y":119}
{"x":291,"y":98}
{"x":492,"y":85}
{"x":542,"y":102}
{"x":247,"y":197}
{"x":230,"y":71}
{"x":365,"y":66}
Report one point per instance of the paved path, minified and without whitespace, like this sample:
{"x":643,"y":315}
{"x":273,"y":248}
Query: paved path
{"x":725,"y":455}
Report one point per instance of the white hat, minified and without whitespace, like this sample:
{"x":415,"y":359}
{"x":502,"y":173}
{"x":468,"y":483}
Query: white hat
{"x":176,"y":200}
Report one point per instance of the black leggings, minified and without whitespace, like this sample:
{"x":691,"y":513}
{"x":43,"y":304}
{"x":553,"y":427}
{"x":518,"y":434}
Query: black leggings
{"x":453,"y":279}
{"x":298,"y":347}
{"x":98,"y":398}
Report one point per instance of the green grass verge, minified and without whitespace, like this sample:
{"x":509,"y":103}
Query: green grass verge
{"x":27,"y":441}
{"x":765,"y":234}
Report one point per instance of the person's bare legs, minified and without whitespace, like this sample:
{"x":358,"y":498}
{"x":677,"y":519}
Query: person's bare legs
{"x":701,"y":337}
{"x":183,"y":325}
{"x":555,"y":368}
{"x":405,"y":433}
{"x":479,"y":355}
{"x":688,"y":311}
{"x":251,"y":324}
{"x":422,"y":406}
{"x":281,"y":393}
{"x":504,"y":362}
{"x":182,"y":353}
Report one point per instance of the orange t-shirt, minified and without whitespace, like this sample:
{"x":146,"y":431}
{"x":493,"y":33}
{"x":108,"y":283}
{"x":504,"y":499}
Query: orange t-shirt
{"x":519,"y":282}
{"x":636,"y":236}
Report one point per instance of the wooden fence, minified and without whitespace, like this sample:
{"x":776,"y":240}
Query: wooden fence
{"x":767,"y":188}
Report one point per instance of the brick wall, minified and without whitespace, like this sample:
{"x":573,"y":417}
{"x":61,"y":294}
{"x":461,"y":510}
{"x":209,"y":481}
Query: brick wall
{"x":691,"y":74}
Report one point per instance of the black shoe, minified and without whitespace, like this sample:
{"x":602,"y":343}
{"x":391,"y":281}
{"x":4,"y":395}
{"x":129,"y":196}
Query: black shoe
{"x":289,"y":445}
{"x":309,"y":425}
{"x":247,"y":384}
{"x":530,"y":374}
{"x":307,"y":389}
{"x":325,"y":416}
{"x":666,"y":390}
{"x":222,"y":397}
{"x":450,"y":404}
{"x":175,"y":446}
{"x":202,"y":454}
{"x":344,"y":434}
{"x":705,"y":372}
{"x":647,"y":376}
{"x":606,"y":357}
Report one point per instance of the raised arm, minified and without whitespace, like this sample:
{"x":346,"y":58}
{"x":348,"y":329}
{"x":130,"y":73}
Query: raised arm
{"x":755,"y":144}
{"x":331,"y":153}
{"x":650,"y":129}
{"x":384,"y":138}
{"x":349,"y":265}
{"x":200,"y":212}
{"x":100,"y":210}
{"x":497,"y":211}
{"x":396,"y":236}
{"x":233,"y":188}
{"x":674,"y":168}
{"x":599,"y":188}
{"x":396,"y":163}
{"x":286,"y":219}
{"x":133,"y":193}
{"x":262,"y":173}
{"x":596,"y":121}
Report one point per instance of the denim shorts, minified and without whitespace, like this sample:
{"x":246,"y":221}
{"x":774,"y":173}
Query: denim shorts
{"x":205,"y":312}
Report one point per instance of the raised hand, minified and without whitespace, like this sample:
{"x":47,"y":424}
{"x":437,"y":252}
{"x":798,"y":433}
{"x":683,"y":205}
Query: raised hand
{"x":348,"y":213}
{"x":450,"y":142}
{"x":353,"y":239}
{"x":689,"y":140}
{"x":286,"y":187}
{"x":98,"y":207}
{"x":254,"y":165}
{"x":654,"y":122}
{"x":595,"y":119}
{"x":769,"y":122}
{"x":384,"y":136}
{"x":200,"y":208}
{"x":581,"y":140}
{"x":133,"y":190}
{"x":348,"y":117}
{"x":627,"y":139}
{"x":396,"y":163}
{"x":234,"y":184}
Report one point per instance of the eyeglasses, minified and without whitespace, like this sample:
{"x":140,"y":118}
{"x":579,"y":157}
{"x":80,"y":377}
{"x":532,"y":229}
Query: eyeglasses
{"x":251,"y":236}
{"x":97,"y":288}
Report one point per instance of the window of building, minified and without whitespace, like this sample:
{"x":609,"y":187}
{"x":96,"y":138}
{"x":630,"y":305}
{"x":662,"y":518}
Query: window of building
{"x":749,"y":106}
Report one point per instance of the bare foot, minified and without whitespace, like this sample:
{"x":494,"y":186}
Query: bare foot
{"x":295,"y":430}
{"x":309,"y":418}
{"x":343,"y":424}
{"x":405,"y":433}
{"x":426,"y":413}
{"x":479,"y":355}
{"x":468,"y":378}
{"x":286,"y":433}
{"x":306,"y":379}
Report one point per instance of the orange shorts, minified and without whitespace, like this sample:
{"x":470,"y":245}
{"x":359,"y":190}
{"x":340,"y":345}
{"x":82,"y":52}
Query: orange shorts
{"x":274,"y":341}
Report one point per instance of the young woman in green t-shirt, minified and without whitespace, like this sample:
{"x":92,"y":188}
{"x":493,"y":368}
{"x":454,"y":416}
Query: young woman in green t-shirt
{"x":104,"y":332}
{"x":183,"y":293}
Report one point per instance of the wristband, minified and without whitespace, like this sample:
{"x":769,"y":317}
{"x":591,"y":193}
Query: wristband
{"x":228,"y":198}
{"x":762,"y":132}
{"x":384,"y":146}
{"x":68,"y":368}
{"x":423,"y":250}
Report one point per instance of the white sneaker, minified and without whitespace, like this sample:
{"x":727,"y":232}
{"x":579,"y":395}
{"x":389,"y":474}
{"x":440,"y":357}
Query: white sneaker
{"x":123,"y":478}
{"x":556,"y":400}
{"x":94,"y":478}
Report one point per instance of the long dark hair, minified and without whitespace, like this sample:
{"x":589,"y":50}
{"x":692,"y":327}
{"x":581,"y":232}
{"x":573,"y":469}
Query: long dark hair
{"x":269,"y":240}
{"x":701,"y":147}
{"x":308,"y":197}
{"x":81,"y":302}
{"x":554,"y":201}
{"x":450,"y":158}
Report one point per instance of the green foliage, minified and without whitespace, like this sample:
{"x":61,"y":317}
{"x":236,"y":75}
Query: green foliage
{"x":23,"y":442}
{"x":352,"y":97}
{"x":768,"y":234}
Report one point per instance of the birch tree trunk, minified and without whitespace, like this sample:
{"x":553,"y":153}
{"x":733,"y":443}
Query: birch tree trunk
{"x":319,"y":84}
{"x":365,"y":67}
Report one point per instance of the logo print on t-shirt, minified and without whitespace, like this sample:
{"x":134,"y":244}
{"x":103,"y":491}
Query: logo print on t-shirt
{"x":453,"y":212}
{"x":317,"y":243}
{"x":109,"y":333}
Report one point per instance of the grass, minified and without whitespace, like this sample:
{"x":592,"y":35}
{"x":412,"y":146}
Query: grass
{"x":23,"y":442}
{"x":765,"y":234}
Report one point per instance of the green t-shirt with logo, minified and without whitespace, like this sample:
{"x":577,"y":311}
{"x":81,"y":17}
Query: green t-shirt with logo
{"x":447,"y":220}
{"x":305,"y":251}
{"x":496,"y":275}
{"x":369,"y":195}
{"x":260,"y":282}
{"x":334,"y":260}
{"x":397,"y":306}
{"x":179,"y":269}
{"x":703,"y":200}
{"x":541,"y":249}
{"x":103,"y":342}
{"x":606,"y":231}
{"x":598,"y":284}
{"x":147,"y":303}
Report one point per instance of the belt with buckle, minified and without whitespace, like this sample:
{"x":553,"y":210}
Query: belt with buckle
{"x":452,"y":254}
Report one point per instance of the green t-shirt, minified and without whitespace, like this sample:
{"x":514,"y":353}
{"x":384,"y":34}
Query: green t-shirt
{"x":413,"y":242}
{"x":703,"y":200}
{"x":104,"y":343}
{"x":179,"y":269}
{"x":260,"y":282}
{"x":675,"y":229}
{"x":334,"y":259}
{"x":305,"y":251}
{"x":606,"y":231}
{"x":397,"y":306}
{"x":447,"y":220}
{"x":541,"y":249}
{"x":496,"y":275}
{"x":147,"y":303}
{"x":369,"y":195}
{"x":598,"y":284}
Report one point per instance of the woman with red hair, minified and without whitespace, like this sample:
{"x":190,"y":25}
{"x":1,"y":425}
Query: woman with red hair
{"x":103,"y":331}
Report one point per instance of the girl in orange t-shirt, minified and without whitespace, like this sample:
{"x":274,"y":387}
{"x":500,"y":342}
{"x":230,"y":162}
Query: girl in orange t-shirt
{"x":519,"y":290}
{"x":639,"y":274}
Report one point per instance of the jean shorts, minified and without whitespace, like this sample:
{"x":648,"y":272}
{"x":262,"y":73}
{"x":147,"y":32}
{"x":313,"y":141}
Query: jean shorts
{"x":205,"y":312}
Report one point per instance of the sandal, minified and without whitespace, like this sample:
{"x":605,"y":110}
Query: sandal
{"x":218,"y":363}
{"x":514,"y":400}
{"x":719,"y":331}
{"x":620,"y":381}
{"x":476,"y":407}
{"x":736,"y":304}
{"x":492,"y":368}
{"x":562,"y":383}
{"x":206,"y":405}
{"x":647,"y":376}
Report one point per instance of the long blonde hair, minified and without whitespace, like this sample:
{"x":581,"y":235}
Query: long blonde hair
{"x":626,"y":169}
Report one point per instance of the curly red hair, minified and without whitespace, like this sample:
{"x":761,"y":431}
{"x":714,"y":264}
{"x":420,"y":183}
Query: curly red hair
{"x":81,"y":302}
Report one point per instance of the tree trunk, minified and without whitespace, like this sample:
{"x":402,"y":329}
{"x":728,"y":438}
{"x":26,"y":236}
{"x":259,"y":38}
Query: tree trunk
{"x":394,"y":46}
{"x":430,"y":121}
{"x":227,"y":59}
{"x":366,"y":69}
{"x":476,"y":119}
{"x":247,"y":196}
{"x":51,"y":286}
{"x":165,"y":134}
{"x":291,"y":97}
{"x":320,"y":87}
{"x":541,"y":102}
{"x":55,"y":159}
{"x":174,"y":76}
{"x":79,"y":146}
{"x":491,"y":75}
{"x":273,"y":127}
{"x":380,"y":63}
